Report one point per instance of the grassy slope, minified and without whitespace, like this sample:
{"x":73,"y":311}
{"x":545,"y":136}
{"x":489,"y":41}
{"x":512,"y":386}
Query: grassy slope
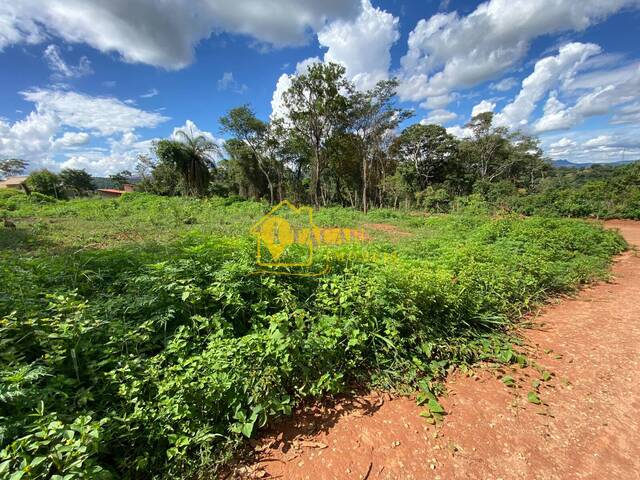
{"x":145,"y":314}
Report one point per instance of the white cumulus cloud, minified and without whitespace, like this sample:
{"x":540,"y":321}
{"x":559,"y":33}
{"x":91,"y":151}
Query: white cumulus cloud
{"x":165,"y":33}
{"x":123,"y":151}
{"x":450,"y":51}
{"x":483,"y":106}
{"x":29,"y":138}
{"x":228,"y":82}
{"x":460,"y":131}
{"x":102,"y":115}
{"x":548,"y":72}
{"x":601,"y":100}
{"x":65,"y":121}
{"x":70,"y":139}
{"x":439,"y":117}
{"x":362,"y":45}
{"x":504,"y":85}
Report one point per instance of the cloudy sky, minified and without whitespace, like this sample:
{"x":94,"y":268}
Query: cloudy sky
{"x":90,"y":83}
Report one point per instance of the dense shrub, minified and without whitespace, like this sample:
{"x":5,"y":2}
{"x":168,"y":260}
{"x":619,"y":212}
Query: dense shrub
{"x":599,"y":192}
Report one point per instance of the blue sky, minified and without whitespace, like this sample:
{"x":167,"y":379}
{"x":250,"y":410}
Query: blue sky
{"x":89,"y":84}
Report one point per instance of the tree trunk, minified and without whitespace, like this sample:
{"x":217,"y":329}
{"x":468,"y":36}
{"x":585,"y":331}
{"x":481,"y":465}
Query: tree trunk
{"x":269,"y":182}
{"x":364,"y":185}
{"x":315,"y":179}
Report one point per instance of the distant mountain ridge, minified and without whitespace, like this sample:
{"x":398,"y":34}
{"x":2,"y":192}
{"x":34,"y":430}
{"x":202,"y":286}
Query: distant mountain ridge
{"x":568,"y":164}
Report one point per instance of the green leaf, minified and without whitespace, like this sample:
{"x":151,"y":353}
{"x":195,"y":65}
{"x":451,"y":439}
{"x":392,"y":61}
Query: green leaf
{"x":532,"y":397}
{"x":4,"y":466}
{"x":505,"y":356}
{"x":546,"y":376}
{"x":508,"y":381}
{"x":435,"y":407}
{"x":17,"y":475}
{"x":172,"y":452}
{"x":247,"y":428}
{"x":35,"y":462}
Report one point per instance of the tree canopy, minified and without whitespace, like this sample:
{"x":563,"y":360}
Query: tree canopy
{"x":77,"y":182}
{"x":332,"y":144}
{"x":192,"y":156}
{"x":45,"y":182}
{"x":11,"y":167}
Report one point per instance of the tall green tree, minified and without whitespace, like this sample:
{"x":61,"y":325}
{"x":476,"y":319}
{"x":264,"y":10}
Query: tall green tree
{"x":158,"y":177}
{"x":488,"y":150}
{"x":242,"y":123}
{"x":316,"y":108}
{"x":192,"y":156}
{"x":294,"y":156}
{"x":45,"y":182}
{"x":429,"y":151}
{"x":374,"y":113}
{"x":245,"y":170}
{"x":77,"y":181}
{"x":344,"y":169}
{"x":163,"y":179}
{"x":528,"y":166}
{"x":11,"y":167}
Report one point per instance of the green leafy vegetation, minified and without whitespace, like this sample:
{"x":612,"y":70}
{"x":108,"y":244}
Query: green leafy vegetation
{"x":599,"y":191}
{"x":331,"y":144}
{"x":137,"y":340}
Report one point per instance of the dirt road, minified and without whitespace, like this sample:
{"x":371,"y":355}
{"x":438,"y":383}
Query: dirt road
{"x":587,"y":427}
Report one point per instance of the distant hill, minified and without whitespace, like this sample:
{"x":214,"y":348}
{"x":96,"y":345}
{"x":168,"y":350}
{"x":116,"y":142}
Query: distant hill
{"x":568,"y":164}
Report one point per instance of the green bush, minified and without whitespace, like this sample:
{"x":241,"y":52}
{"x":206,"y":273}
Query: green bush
{"x":55,"y":450}
{"x":13,"y":200}
{"x":434,"y":200}
{"x":598,"y":192}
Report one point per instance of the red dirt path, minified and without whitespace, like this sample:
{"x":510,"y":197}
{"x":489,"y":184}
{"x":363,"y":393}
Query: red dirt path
{"x":587,"y":427}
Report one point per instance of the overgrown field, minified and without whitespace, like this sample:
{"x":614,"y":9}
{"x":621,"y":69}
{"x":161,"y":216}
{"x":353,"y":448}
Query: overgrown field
{"x":136,"y":340}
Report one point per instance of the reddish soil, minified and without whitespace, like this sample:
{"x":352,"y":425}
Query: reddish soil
{"x":587,"y":427}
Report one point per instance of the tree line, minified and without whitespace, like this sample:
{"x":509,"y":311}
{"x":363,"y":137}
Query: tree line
{"x":336,"y":145}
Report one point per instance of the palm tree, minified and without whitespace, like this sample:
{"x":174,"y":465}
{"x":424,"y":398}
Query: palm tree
{"x":193,"y":156}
